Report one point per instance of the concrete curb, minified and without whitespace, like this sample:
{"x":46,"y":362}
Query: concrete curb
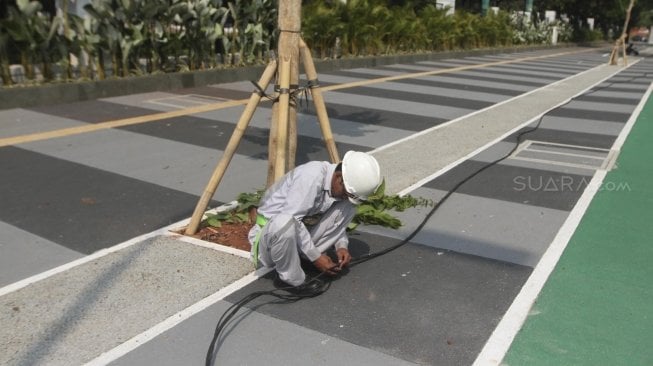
{"x":30,"y":96}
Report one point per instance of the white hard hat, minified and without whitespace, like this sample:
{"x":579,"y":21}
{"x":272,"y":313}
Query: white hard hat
{"x":361,"y":175}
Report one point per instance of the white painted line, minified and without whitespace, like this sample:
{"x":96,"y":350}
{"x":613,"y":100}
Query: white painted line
{"x":501,"y":339}
{"x":530,"y":149}
{"x":499,"y":342}
{"x":560,"y":163}
{"x":171,"y":321}
{"x":578,"y":147}
{"x":205,"y":244}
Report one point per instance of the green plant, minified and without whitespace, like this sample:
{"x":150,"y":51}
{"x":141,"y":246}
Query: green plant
{"x":374,"y":211}
{"x":238,"y":215}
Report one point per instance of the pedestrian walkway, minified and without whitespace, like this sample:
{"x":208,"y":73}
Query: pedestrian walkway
{"x":127,"y":295}
{"x":596,"y":307}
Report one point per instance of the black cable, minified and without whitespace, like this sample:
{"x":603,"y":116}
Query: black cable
{"x":288,"y":296}
{"x":281,"y":293}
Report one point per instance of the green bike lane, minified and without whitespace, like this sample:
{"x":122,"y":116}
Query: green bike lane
{"x":595,"y":308}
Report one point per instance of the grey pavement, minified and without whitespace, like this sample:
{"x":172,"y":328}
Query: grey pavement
{"x":98,"y":295}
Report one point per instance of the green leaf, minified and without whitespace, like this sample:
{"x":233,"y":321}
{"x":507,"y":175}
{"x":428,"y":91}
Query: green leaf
{"x":214,"y":222}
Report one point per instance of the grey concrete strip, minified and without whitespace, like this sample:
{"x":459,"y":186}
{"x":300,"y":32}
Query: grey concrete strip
{"x":520,"y":75}
{"x":518,"y":68}
{"x":16,"y":122}
{"x":450,"y":78}
{"x":421,"y":109}
{"x":179,"y":166}
{"x":414,"y":67}
{"x":24,"y":254}
{"x":425,"y":305}
{"x":475,"y":130}
{"x":482,"y":75}
{"x":541,"y":69}
{"x":616,"y":99}
{"x":344,"y":131}
{"x":582,"y":125}
{"x":590,"y":114}
{"x":158,"y":101}
{"x":252,"y":339}
{"x":93,"y":111}
{"x":422,"y":89}
{"x":75,"y":315}
{"x":489,"y":228}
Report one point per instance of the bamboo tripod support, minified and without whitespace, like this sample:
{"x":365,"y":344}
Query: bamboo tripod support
{"x":619,"y":45}
{"x":621,"y":41}
{"x":279,"y":128}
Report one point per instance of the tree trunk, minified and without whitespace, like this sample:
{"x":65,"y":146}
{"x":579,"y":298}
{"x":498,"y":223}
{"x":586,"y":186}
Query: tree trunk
{"x":288,"y":47}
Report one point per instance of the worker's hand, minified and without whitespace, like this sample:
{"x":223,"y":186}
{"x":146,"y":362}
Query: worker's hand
{"x":326,"y":265}
{"x":343,"y":257}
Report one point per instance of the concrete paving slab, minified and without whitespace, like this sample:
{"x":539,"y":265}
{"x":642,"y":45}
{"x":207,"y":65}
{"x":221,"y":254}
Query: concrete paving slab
{"x":498,"y":78}
{"x":583,"y":125}
{"x":421,"y":89}
{"x":96,"y":305}
{"x":93,"y":111}
{"x":525,"y":185}
{"x":345,"y":131}
{"x":610,"y":116}
{"x":17,"y":122}
{"x":485,"y":227}
{"x":252,"y":338}
{"x":450,"y":78}
{"x":23,"y":254}
{"x":464,"y":102}
{"x":174,"y":165}
{"x":77,"y":214}
{"x":459,"y":139}
{"x":405,"y":304}
{"x":601,"y":106}
{"x":408,"y":107}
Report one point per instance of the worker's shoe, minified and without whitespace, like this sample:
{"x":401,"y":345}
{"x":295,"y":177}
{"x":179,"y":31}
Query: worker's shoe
{"x":310,"y":287}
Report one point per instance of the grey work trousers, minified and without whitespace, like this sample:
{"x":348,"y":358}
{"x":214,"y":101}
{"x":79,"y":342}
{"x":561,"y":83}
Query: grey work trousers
{"x":280,"y":244}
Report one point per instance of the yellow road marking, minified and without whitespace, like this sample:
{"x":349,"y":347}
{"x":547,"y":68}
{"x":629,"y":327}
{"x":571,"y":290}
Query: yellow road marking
{"x":15,"y":140}
{"x":117,"y":123}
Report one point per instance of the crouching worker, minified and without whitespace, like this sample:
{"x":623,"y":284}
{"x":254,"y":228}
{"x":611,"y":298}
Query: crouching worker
{"x":306,"y":212}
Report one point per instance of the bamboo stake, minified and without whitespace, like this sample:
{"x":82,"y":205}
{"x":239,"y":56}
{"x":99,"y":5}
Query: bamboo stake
{"x":291,"y":152}
{"x":282,"y":122}
{"x":318,"y":100}
{"x":622,"y":39}
{"x":272,"y":143}
{"x":232,"y":145}
{"x":289,"y":21}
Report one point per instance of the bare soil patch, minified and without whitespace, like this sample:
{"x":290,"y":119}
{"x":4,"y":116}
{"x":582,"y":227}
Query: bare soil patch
{"x":228,"y":234}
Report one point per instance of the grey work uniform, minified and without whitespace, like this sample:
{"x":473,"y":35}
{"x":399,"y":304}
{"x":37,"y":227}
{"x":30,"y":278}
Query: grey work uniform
{"x":303,"y":193}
